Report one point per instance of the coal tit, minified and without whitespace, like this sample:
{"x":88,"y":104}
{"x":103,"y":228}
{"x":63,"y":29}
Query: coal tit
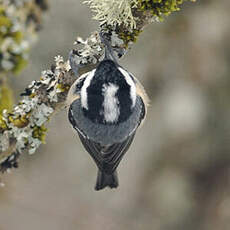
{"x":105,"y":107}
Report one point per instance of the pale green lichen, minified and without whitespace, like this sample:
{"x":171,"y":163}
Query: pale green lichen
{"x":128,"y":17}
{"x":114,"y":12}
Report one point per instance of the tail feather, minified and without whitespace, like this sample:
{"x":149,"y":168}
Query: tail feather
{"x":104,"y":180}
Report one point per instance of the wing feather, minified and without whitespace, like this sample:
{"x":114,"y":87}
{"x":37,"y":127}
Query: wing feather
{"x":107,"y":158}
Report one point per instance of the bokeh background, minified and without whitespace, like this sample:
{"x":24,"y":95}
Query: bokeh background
{"x":176,"y":174}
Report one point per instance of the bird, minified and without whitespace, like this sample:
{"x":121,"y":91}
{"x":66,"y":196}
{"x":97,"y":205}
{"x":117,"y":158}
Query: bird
{"x":106,"y":106}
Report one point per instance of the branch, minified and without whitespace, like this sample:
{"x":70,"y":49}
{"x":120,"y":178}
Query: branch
{"x":23,"y":129}
{"x":20,"y":21}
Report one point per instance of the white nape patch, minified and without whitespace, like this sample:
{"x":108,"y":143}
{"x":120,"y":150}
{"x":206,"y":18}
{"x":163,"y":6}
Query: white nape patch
{"x":130,"y":81}
{"x":111,"y":103}
{"x":84,"y":96}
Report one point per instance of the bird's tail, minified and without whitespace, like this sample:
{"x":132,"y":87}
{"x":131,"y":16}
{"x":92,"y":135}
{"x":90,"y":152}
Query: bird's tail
{"x":104,"y":180}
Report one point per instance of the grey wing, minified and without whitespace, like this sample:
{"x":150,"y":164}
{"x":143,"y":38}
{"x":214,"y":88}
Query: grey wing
{"x":106,"y":158}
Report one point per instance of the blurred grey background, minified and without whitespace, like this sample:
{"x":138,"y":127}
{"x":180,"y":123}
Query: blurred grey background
{"x":176,"y":175}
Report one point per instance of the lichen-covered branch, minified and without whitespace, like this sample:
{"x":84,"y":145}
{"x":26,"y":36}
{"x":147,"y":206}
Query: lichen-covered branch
{"x":23,"y":129}
{"x":128,"y":17}
{"x":24,"y":125}
{"x":19,"y":22}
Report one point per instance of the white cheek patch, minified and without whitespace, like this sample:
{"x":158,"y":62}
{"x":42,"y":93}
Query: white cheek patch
{"x":84,"y":97}
{"x":111,"y":103}
{"x":131,"y":83}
